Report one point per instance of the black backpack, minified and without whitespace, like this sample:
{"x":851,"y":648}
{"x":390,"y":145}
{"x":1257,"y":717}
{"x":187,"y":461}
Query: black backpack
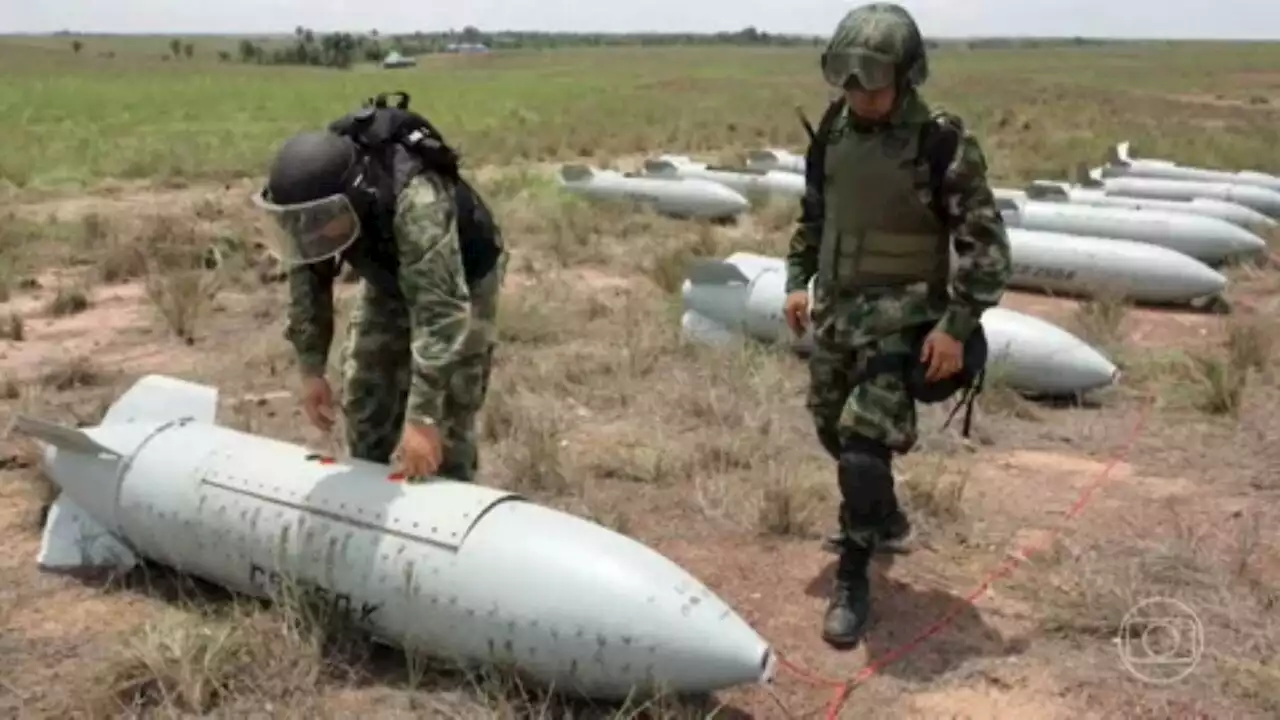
{"x":378,"y":129}
{"x":939,"y":140}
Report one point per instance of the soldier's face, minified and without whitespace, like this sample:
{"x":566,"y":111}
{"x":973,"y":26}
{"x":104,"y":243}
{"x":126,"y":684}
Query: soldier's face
{"x":339,"y":227}
{"x":871,"y":104}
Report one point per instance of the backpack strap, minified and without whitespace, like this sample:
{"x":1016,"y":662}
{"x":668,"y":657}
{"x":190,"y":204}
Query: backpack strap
{"x":967,"y":399}
{"x":815,"y":157}
{"x":939,"y":141}
{"x":812,"y":203}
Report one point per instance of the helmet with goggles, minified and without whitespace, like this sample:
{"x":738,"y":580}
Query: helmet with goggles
{"x":874,"y":46}
{"x":309,"y":194}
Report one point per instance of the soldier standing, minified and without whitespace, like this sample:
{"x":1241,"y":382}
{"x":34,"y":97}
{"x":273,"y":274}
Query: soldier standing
{"x":381,"y":192}
{"x":890,"y":186}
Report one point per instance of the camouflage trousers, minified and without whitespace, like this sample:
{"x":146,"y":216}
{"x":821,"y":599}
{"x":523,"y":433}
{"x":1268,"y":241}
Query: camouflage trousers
{"x":376,"y":367}
{"x":862,"y":418}
{"x":876,"y":407}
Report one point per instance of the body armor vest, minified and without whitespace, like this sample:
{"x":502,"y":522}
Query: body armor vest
{"x":878,"y":232}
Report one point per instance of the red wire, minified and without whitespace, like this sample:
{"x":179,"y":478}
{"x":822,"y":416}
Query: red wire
{"x":845,"y":687}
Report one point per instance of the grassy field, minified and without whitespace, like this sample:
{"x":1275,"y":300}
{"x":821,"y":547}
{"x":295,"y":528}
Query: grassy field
{"x":77,"y":119}
{"x":120,"y":173}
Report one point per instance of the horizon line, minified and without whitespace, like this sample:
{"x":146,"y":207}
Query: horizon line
{"x":696,"y":33}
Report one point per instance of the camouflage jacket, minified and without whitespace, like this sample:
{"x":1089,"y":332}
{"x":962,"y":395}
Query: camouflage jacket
{"x":977,"y":233}
{"x":434,"y":286}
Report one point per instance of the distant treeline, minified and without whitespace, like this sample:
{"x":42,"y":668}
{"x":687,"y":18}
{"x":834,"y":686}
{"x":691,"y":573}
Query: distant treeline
{"x":341,"y":50}
{"x":344,"y":49}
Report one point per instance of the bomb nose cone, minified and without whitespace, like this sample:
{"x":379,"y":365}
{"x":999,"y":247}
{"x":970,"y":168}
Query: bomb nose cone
{"x":730,"y":200}
{"x":619,"y":613}
{"x":1204,"y":280}
{"x":1246,"y":242}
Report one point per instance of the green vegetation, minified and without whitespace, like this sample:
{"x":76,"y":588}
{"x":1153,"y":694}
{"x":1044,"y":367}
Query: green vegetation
{"x":72,"y":119}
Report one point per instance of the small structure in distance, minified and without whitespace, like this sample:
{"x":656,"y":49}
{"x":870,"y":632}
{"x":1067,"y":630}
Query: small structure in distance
{"x":396,"y":60}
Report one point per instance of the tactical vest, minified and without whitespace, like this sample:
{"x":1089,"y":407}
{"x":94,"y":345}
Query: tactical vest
{"x":877,"y":230}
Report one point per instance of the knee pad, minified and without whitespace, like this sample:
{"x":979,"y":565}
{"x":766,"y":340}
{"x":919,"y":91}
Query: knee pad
{"x":866,"y":483}
{"x":863,"y":477}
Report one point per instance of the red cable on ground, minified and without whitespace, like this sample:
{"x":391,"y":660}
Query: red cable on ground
{"x":845,"y":687}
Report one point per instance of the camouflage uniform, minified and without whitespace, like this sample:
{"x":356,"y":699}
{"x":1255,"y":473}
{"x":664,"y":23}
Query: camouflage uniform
{"x":872,"y":240}
{"x":425,"y":359}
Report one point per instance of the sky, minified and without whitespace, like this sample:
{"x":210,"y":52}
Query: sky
{"x":1228,"y":19}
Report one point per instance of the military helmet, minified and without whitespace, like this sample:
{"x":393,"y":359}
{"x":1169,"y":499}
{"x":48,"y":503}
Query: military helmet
{"x":874,"y":46}
{"x":308,"y":194}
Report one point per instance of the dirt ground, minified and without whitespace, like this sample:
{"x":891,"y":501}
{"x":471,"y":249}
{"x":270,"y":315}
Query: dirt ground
{"x":706,"y":455}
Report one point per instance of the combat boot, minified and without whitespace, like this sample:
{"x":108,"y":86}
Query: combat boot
{"x":850,"y":604}
{"x":895,"y":536}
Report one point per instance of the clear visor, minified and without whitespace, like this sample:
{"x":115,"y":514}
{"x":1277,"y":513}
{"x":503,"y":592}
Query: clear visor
{"x":311,"y":231}
{"x":870,"y":71}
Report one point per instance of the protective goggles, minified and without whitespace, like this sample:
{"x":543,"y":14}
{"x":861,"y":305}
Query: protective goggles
{"x":311,"y":231}
{"x":868,"y":70}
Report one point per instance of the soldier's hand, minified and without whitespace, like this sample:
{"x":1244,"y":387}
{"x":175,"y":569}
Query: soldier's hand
{"x":420,"y":451}
{"x":796,"y":311}
{"x":317,"y":402}
{"x":943,"y":354}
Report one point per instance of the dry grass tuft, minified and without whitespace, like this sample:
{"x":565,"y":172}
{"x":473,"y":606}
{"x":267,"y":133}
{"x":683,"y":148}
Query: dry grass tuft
{"x":932,"y":487}
{"x":999,"y":400}
{"x":12,"y":327}
{"x":76,"y":372}
{"x":1099,"y":320}
{"x":529,"y":435}
{"x":68,"y":301}
{"x":179,"y":276}
{"x":1088,"y":589}
{"x":1218,"y":383}
{"x":796,"y":502}
{"x":1212,"y":380}
{"x":1251,"y":342}
{"x":204,"y":656}
{"x":1254,"y":680}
